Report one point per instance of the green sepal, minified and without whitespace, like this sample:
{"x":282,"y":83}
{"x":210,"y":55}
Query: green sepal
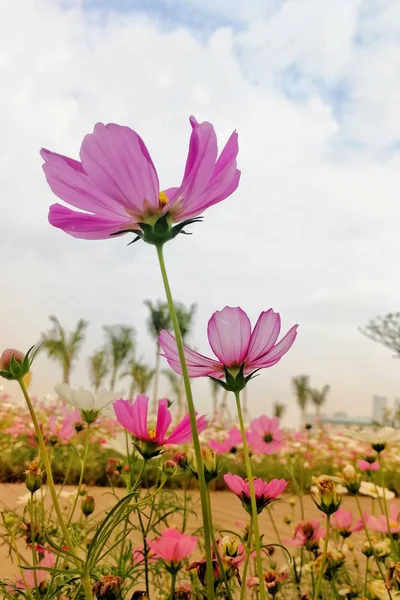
{"x":158,"y":233}
{"x":234,"y":383}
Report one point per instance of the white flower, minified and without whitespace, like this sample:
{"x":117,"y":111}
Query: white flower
{"x":382,"y":436}
{"x":85,"y":399}
{"x":118,"y":444}
{"x":375,"y":491}
{"x":378,"y":590}
{"x":340,"y":489}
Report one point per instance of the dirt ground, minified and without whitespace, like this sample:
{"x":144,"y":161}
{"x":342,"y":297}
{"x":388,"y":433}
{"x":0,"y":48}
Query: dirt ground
{"x":227,"y":511}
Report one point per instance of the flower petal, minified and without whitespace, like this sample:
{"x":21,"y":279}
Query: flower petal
{"x":85,"y":226}
{"x":272,"y":357}
{"x":183,"y":431}
{"x":229,"y":332}
{"x":68,"y":180}
{"x":118,"y":162}
{"x":163,"y":420}
{"x":264,"y":335}
{"x":197,"y":364}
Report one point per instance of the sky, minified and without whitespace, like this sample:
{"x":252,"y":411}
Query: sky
{"x":312,"y":88}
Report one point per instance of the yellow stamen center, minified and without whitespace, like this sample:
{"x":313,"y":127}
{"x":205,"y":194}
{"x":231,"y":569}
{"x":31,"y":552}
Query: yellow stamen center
{"x":152,"y":433}
{"x":163,"y":198}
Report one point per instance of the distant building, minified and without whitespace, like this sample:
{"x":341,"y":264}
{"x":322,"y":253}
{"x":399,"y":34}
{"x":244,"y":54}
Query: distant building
{"x":379,"y":406}
{"x":344,"y":419}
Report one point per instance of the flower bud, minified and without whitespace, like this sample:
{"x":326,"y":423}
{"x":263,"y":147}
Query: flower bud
{"x":169,"y":467}
{"x":351,"y":479}
{"x":287,"y":520}
{"x":13,"y":365}
{"x":139,"y":595}
{"x":87,"y":505}
{"x":209,"y":459}
{"x":108,"y":588}
{"x":33,"y":478}
{"x":326,"y":497}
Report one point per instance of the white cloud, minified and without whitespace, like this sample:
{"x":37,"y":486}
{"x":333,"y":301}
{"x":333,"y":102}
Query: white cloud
{"x":312,"y":230}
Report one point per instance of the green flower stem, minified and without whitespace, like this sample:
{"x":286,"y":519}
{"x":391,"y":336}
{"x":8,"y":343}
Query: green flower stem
{"x":34,"y":562}
{"x":192,"y":416}
{"x":385,"y":505}
{"x":50,"y":482}
{"x":366,"y":575}
{"x":173,"y":582}
{"x":378,"y":564}
{"x":82,"y":473}
{"x":257,"y":544}
{"x":217,"y":553}
{"x":323,"y":560}
{"x":246,"y":562}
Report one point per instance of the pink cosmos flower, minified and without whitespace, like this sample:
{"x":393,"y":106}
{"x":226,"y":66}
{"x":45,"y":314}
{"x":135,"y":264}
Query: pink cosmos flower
{"x":342,"y":520}
{"x":264,"y":436}
{"x":61,"y":431}
{"x":229,"y":444}
{"x":235,"y":345}
{"x":368,"y":467}
{"x":307,"y":534}
{"x":380,"y":523}
{"x":115,"y":186}
{"x":41,"y":575}
{"x":133,"y":417}
{"x":138,"y":555}
{"x":173,"y":546}
{"x":265,"y":492}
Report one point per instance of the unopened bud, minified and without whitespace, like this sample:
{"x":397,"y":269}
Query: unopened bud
{"x":108,"y":588}
{"x":87,"y":505}
{"x":326,"y":497}
{"x":13,"y":364}
{"x":169,"y":467}
{"x":287,"y":520}
{"x":33,"y":478}
{"x":209,"y":459}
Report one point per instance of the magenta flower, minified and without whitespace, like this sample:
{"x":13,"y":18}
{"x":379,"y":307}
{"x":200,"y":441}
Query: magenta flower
{"x":133,"y":417}
{"x":342,"y":520}
{"x":229,"y":444}
{"x":368,"y":467}
{"x":115,"y":186}
{"x":240,"y":351}
{"x":265,"y":492}
{"x":380,"y":523}
{"x":173,"y":546}
{"x":264,"y":436}
{"x":307,"y":534}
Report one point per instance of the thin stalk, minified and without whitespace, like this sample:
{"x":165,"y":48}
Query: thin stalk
{"x":50,"y":482}
{"x":366,"y":576}
{"x":378,"y":564}
{"x":254,"y":513}
{"x":323,"y":560}
{"x":34,"y":561}
{"x":385,"y":505}
{"x":246,"y":562}
{"x":82,"y":473}
{"x":192,"y":416}
{"x":173,"y":582}
{"x":218,"y":554}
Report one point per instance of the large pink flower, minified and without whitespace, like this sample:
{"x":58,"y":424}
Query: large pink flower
{"x":264,"y":436}
{"x":380,"y":523}
{"x":173,"y":546}
{"x":236,"y":346}
{"x":115,"y":186}
{"x":342,"y":520}
{"x":265,"y":492}
{"x":133,"y":417}
{"x":229,"y":444}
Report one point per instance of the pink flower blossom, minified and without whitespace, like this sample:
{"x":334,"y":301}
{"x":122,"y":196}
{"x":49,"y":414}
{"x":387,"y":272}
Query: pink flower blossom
{"x":264,"y":436}
{"x":62,"y":431}
{"x":115,"y":186}
{"x":307,"y":534}
{"x":229,"y":444}
{"x":133,"y":417}
{"x":368,"y":467}
{"x":138,"y":555}
{"x":342,"y":520}
{"x":380,"y":523}
{"x":265,"y":492}
{"x":173,"y":546}
{"x":236,"y":346}
{"x":41,"y":575}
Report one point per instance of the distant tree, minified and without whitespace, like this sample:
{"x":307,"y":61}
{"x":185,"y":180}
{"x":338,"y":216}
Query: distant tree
{"x":319,"y":397}
{"x":98,"y":368}
{"x":120,"y":347}
{"x":140,"y":375}
{"x":384,"y":330}
{"x":279,"y":410}
{"x":302,"y":391}
{"x":175,"y":382}
{"x":64,"y":347}
{"x":185,"y":318}
{"x":157,"y":320}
